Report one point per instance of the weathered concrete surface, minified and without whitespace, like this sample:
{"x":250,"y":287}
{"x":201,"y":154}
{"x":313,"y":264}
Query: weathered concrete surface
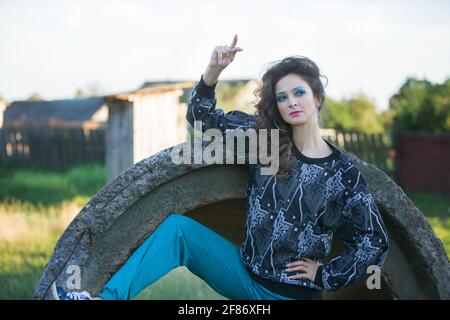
{"x":129,"y":208}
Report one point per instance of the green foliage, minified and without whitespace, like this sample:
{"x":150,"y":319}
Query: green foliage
{"x":79,"y":93}
{"x":357,"y":114}
{"x":421,"y":106}
{"x":35,"y":97}
{"x":336,"y":114}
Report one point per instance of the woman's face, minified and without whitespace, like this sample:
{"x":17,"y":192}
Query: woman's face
{"x":295,"y":100}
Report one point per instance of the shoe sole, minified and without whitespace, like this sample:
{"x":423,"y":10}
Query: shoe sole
{"x":54,"y":292}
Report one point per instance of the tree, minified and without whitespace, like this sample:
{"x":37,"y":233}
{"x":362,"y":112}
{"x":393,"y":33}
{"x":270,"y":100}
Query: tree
{"x":420,"y":105}
{"x":363,"y":111}
{"x":35,"y":97}
{"x":357,"y":114}
{"x":336,"y":114}
{"x":79,"y":93}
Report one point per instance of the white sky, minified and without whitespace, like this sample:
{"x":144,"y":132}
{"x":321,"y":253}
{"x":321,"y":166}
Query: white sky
{"x":55,"y":47}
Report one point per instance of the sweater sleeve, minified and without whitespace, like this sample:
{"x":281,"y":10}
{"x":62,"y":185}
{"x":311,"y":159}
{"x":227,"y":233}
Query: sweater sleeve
{"x":360,"y":227}
{"x":202,"y":107}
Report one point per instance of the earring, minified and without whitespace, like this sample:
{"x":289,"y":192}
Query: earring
{"x":276,"y":125}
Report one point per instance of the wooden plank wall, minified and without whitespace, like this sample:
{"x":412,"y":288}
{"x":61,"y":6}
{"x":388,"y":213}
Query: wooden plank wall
{"x":56,"y":148}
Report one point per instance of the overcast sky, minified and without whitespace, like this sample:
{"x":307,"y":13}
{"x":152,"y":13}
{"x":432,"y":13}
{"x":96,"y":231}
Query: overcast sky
{"x":55,"y":47}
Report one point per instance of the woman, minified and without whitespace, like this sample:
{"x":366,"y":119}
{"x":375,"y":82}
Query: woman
{"x":317,"y":192}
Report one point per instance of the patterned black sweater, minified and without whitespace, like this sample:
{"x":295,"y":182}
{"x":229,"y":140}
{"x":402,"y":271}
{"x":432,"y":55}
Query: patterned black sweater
{"x":287,"y":220}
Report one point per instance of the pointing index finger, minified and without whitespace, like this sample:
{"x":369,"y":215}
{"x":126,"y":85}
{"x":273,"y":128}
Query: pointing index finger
{"x":233,"y":43}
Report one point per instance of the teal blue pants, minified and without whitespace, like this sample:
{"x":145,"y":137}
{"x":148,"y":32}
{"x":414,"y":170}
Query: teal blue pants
{"x":182,"y":241}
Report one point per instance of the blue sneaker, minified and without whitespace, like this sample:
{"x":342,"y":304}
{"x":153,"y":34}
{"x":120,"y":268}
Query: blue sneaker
{"x":60,"y":294}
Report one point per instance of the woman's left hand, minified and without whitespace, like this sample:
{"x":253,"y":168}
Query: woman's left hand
{"x":306,"y":265}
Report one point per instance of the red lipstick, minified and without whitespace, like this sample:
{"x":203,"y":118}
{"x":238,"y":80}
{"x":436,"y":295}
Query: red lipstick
{"x":295,"y":113}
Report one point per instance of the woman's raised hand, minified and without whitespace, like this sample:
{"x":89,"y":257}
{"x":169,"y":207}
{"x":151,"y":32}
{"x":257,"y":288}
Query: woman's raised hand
{"x":222,"y":56}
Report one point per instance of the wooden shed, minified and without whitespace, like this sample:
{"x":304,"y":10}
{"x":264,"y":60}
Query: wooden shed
{"x":143,"y":122}
{"x":89,"y":112}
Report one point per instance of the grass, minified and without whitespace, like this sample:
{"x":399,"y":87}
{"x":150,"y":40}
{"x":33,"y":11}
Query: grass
{"x":437,"y":210}
{"x":35,"y":208}
{"x":46,"y":187}
{"x":28,"y":235}
{"x":37,"y":205}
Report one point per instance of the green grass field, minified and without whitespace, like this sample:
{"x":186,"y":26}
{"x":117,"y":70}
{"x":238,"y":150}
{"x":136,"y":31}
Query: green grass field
{"x":37,"y":205}
{"x":35,"y":208}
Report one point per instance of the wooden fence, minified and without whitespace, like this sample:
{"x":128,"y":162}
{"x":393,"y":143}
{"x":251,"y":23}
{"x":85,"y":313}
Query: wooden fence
{"x":56,"y":148}
{"x":60,"y":148}
{"x":375,"y":149}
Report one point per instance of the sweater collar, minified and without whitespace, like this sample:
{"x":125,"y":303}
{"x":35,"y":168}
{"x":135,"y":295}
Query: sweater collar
{"x":302,"y":158}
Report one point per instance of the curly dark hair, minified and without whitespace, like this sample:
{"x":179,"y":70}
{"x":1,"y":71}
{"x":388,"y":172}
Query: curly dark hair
{"x":266,"y":108}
